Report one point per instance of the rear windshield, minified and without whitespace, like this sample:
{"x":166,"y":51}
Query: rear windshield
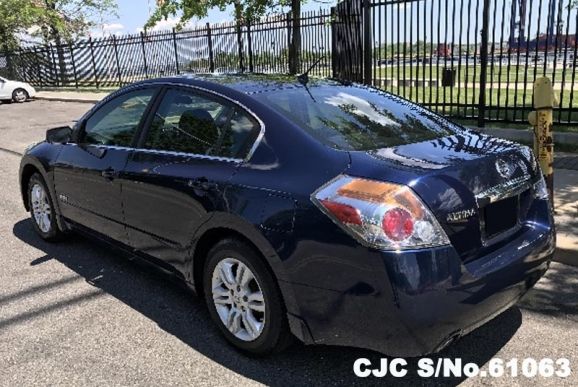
{"x":354,"y":117}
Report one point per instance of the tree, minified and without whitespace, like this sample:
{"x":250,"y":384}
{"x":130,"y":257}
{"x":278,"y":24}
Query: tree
{"x":15,"y":17}
{"x":56,"y":21}
{"x":68,"y":19}
{"x":65,"y":20}
{"x":295,"y":48}
{"x":244,"y":12}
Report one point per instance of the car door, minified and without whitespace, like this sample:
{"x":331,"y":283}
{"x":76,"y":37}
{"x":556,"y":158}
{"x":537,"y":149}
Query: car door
{"x":176,"y":178}
{"x":85,"y":173}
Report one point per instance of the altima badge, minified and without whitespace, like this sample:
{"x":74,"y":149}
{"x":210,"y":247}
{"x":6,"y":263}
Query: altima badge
{"x":461,"y":216}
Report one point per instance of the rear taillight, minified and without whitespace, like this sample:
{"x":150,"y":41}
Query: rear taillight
{"x":379,"y":214}
{"x":541,"y":189}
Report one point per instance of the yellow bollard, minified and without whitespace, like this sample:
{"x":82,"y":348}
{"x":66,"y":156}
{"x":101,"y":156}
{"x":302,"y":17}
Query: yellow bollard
{"x":541,"y":119}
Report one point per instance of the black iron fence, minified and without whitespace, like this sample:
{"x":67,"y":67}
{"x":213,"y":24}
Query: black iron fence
{"x":474,"y":59}
{"x":262,"y":46}
{"x":469,"y":59}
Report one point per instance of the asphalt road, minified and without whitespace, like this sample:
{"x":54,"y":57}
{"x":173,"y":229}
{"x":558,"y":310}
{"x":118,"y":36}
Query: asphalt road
{"x":77,"y":313}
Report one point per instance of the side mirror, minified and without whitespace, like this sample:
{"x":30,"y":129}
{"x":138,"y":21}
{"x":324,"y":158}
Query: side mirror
{"x":61,"y":135}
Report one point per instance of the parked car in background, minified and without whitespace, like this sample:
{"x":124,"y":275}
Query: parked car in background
{"x":325,"y":210}
{"x":15,"y":91}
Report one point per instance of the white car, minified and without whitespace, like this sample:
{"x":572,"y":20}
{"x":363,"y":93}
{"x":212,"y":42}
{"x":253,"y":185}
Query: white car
{"x":15,"y":91}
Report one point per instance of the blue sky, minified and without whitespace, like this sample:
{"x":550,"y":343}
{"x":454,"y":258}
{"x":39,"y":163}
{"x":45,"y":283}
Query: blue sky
{"x":134,"y":13}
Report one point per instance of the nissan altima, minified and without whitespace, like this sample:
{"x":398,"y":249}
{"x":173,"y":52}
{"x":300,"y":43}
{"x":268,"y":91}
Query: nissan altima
{"x":320,"y":210}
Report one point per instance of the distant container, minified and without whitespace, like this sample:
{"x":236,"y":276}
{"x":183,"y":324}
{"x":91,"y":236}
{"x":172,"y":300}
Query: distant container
{"x":444,"y":50}
{"x":448,"y":77}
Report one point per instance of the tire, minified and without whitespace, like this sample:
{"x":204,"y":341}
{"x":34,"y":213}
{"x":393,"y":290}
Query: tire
{"x":42,"y":210}
{"x":20,"y":95}
{"x":273,"y":334}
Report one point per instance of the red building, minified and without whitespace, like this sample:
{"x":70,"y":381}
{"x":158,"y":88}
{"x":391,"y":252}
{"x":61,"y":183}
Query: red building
{"x":444,"y":50}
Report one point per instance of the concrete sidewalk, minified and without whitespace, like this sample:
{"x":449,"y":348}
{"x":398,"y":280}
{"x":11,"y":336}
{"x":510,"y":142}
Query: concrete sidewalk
{"x":71,"y":96}
{"x":527,"y":135}
{"x":566,"y":215}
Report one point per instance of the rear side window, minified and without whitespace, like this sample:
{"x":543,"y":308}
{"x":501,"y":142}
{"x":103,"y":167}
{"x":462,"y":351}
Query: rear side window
{"x":189,"y":122}
{"x":355,"y":118}
{"x":116,"y":122}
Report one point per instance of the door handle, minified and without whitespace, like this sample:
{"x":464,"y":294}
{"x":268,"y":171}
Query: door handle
{"x":109,"y":174}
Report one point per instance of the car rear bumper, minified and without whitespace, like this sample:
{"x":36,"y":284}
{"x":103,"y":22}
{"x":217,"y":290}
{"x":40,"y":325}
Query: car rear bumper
{"x":416,"y":302}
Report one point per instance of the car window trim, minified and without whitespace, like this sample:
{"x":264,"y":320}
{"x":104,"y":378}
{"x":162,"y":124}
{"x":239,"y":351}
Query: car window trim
{"x":143,"y":130}
{"x":154,"y":151}
{"x":169,"y":85}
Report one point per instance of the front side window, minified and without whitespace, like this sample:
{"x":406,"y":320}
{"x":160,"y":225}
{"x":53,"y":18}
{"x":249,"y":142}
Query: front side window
{"x":117,"y":121}
{"x":187,"y":122}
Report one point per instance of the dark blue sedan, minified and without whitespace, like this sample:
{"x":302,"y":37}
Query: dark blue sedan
{"x":316,"y":209}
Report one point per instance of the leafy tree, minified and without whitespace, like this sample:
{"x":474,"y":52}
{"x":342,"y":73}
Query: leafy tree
{"x":244,"y":11}
{"x":15,"y":17}
{"x":56,"y":21}
{"x":65,"y":20}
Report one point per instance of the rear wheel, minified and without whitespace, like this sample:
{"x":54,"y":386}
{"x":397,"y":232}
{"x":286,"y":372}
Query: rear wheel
{"x":20,"y":95}
{"x":42,"y":209}
{"x":244,"y":300}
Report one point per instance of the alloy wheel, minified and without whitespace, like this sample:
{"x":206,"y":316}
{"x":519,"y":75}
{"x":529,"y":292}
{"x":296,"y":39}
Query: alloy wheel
{"x":238,"y":299}
{"x":20,"y":96}
{"x":41,"y":208}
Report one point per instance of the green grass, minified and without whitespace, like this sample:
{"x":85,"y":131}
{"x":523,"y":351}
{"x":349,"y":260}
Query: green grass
{"x":472,"y":73}
{"x":495,"y":100}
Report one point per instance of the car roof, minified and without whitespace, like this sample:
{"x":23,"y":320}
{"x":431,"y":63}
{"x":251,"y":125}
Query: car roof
{"x":246,"y":83}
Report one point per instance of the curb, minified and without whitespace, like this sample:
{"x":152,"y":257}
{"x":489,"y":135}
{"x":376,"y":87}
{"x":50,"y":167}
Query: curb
{"x":66,"y":99}
{"x":528,"y":135}
{"x":567,"y":257}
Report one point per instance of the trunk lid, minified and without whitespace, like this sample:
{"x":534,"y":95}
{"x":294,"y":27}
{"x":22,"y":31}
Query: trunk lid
{"x":477,"y":186}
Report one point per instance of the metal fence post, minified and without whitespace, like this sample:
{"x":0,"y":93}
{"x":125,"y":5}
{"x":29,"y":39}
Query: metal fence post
{"x":93,"y":62}
{"x":176,"y":51}
{"x":240,"y":46}
{"x":289,"y":29}
{"x":144,"y":55}
{"x":211,"y":54}
{"x":250,"y":47}
{"x":367,"y":42}
{"x":22,"y":65}
{"x":9,"y":64}
{"x":39,"y":67}
{"x":53,"y":70}
{"x":73,"y":65}
{"x":334,"y":71}
{"x":484,"y":64}
{"x":117,"y":60}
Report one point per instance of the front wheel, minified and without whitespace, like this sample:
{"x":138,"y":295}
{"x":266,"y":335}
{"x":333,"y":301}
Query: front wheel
{"x":244,"y":300}
{"x":42,"y":209}
{"x":20,"y":95}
